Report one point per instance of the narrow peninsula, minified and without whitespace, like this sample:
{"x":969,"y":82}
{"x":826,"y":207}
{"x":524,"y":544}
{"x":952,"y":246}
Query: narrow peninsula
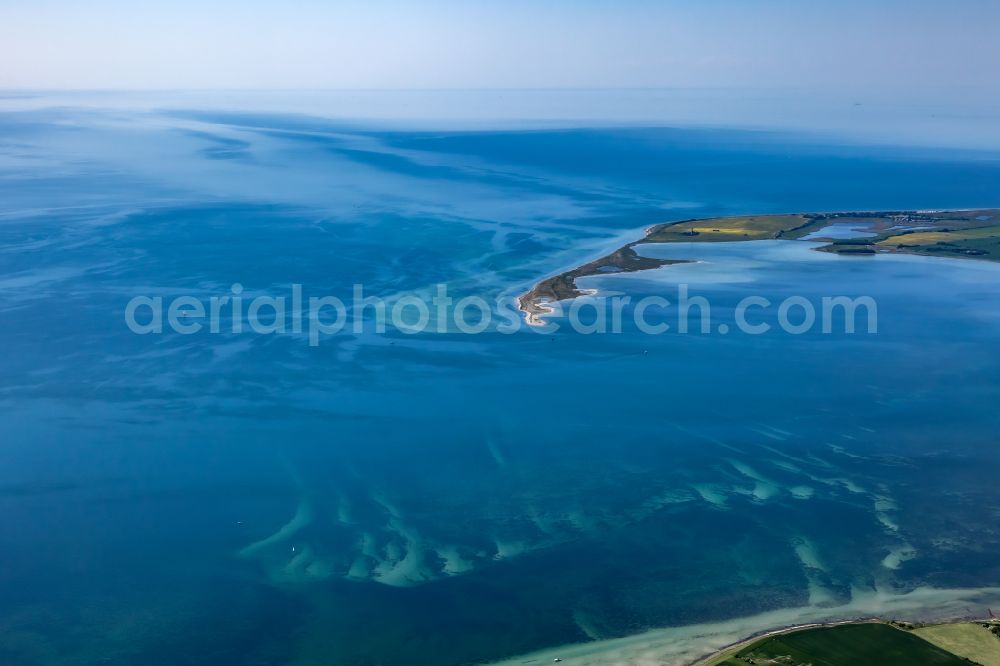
{"x":942,"y":233}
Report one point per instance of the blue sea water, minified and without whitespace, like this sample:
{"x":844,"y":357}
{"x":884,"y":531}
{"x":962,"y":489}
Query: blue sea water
{"x":444,"y":498}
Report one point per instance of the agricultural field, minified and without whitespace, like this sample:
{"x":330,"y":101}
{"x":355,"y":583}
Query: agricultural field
{"x":864,"y":644}
{"x":972,"y":640}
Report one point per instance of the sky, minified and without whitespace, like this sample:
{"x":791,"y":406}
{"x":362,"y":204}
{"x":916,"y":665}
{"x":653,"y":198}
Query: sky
{"x":308,"y":44}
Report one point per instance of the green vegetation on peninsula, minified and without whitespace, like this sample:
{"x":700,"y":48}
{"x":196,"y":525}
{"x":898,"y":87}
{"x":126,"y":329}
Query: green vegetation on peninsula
{"x":962,"y":233}
{"x":869,"y":643}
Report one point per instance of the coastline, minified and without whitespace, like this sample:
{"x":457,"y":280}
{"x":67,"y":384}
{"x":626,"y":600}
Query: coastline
{"x":699,"y":644}
{"x":957,"y":233}
{"x":537,"y":302}
{"x":710,"y":659}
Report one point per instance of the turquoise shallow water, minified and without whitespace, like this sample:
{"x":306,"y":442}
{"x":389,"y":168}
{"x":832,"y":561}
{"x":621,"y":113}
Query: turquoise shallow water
{"x":446,"y":498}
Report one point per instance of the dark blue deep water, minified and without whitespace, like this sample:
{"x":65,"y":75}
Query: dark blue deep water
{"x":444,"y":498}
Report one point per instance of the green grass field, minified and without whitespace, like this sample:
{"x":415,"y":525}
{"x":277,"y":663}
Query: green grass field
{"x":966,"y":639}
{"x":979,"y":242}
{"x":749,"y":227}
{"x":950,"y":234}
{"x":872,"y":644}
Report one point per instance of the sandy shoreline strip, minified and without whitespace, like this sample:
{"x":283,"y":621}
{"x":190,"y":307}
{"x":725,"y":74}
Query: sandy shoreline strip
{"x":694,"y":644}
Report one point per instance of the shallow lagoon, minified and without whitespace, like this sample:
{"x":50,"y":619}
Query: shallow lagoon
{"x":445,"y":498}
